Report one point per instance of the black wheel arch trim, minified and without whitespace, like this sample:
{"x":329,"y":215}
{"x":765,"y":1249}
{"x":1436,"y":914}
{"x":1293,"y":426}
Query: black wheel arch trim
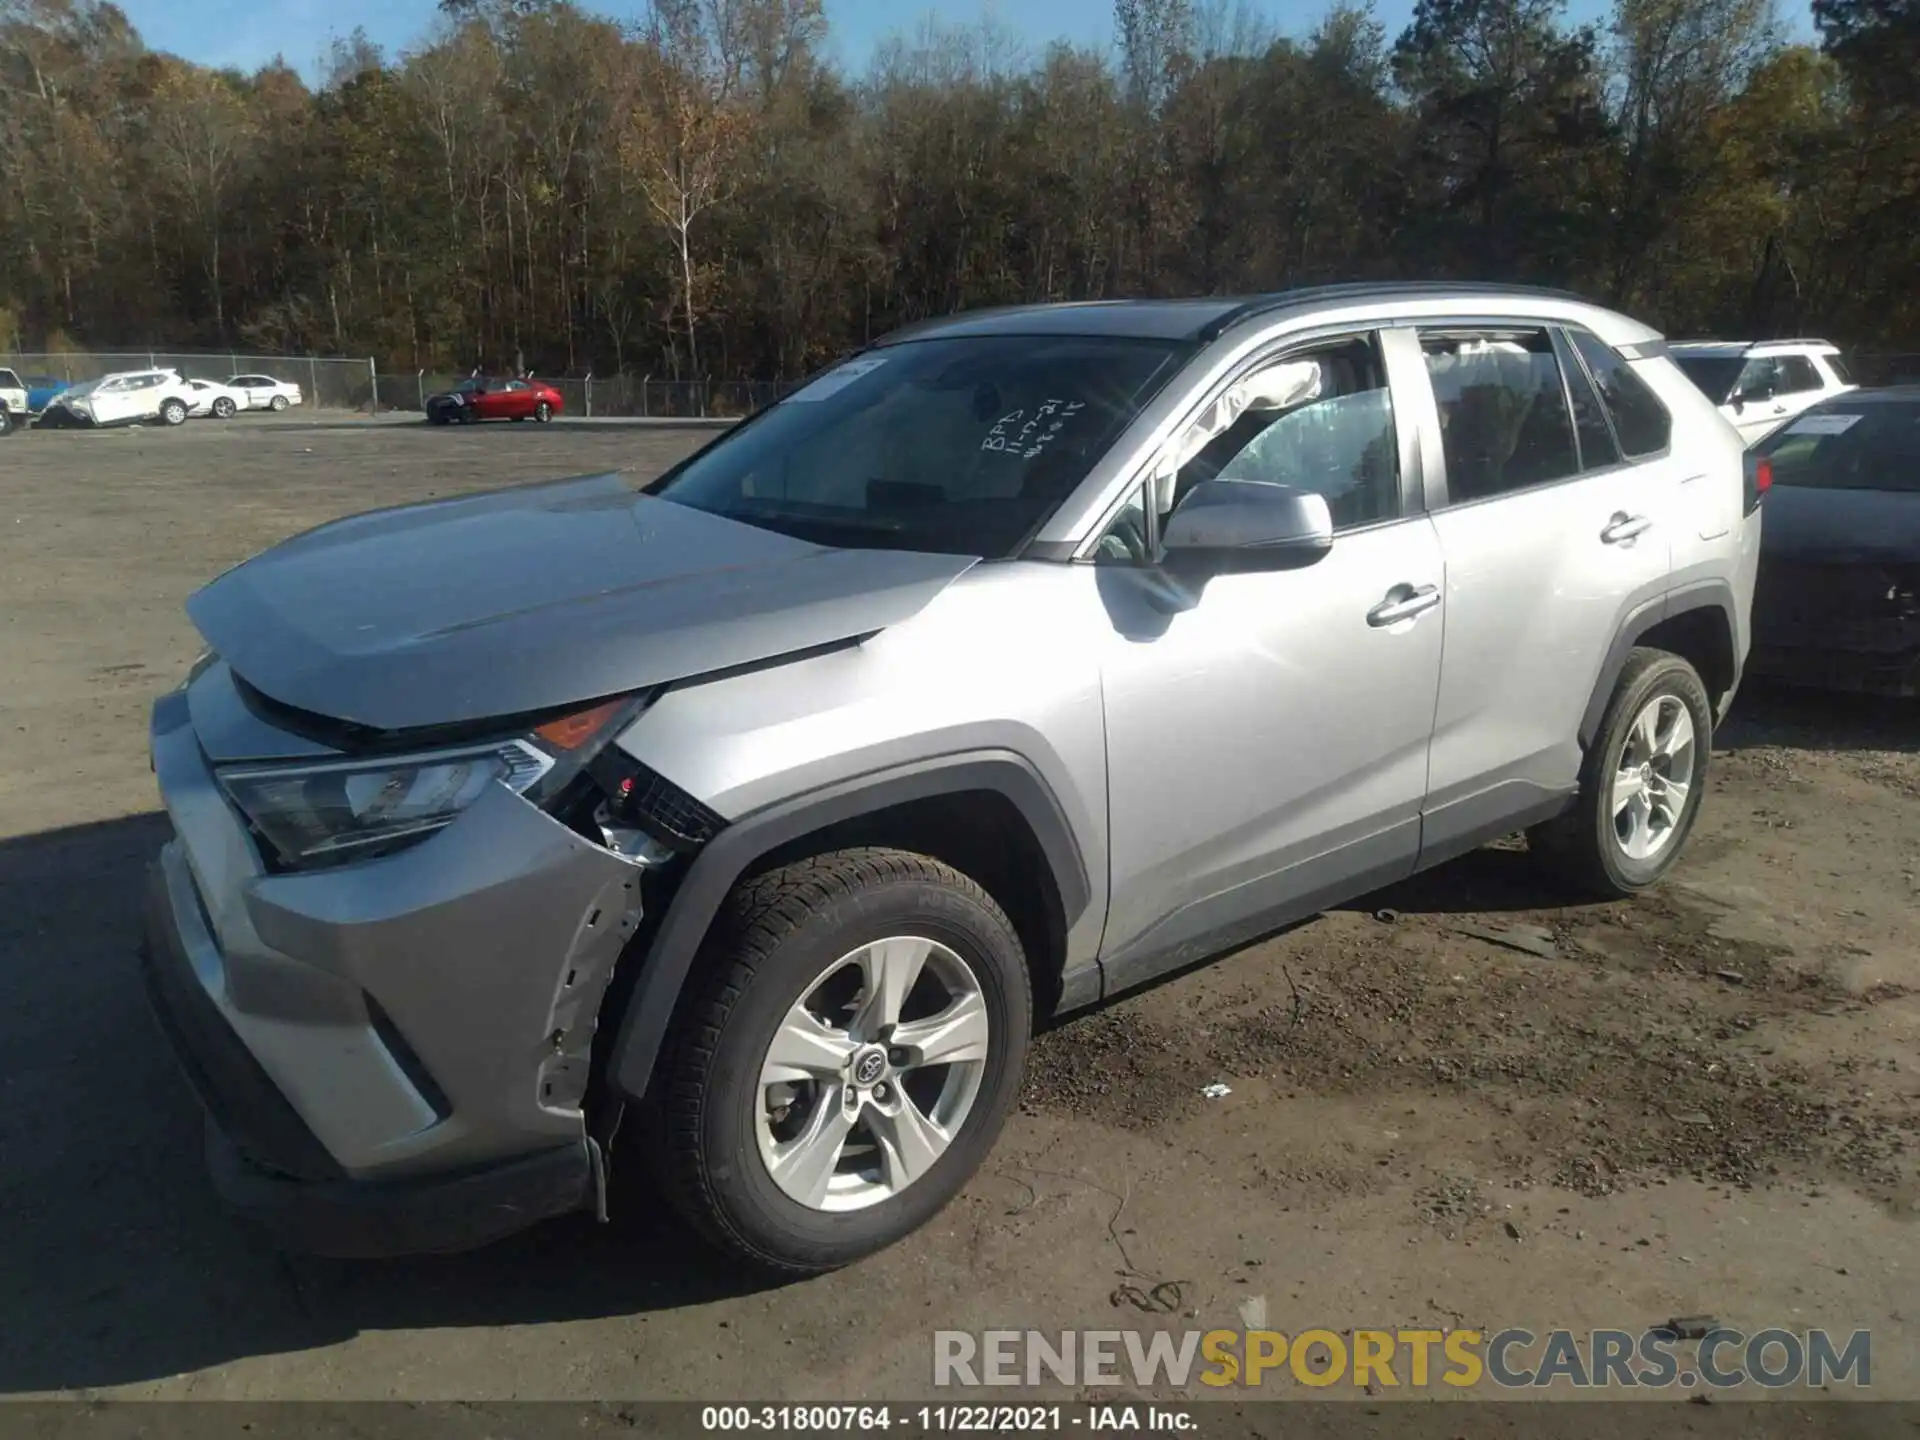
{"x":663,"y":969}
{"x":1715,"y":595}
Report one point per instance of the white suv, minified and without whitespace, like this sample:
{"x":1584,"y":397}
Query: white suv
{"x":128,"y":398}
{"x":1760,"y":387}
{"x":13,"y":402}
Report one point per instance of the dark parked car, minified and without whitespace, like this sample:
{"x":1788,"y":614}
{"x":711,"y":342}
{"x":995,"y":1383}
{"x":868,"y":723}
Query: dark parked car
{"x":484,"y":399}
{"x":1838,"y":602}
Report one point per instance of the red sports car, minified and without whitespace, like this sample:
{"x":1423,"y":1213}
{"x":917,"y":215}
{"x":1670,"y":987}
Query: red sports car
{"x":484,"y":399}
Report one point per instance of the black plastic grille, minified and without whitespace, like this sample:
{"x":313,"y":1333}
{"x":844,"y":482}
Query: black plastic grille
{"x":646,"y":799}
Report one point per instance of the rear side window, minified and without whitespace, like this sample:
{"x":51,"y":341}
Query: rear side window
{"x":1503,"y":410}
{"x":1640,"y":421}
{"x":1839,"y":369}
{"x":1597,"y":447}
{"x":1797,"y":375}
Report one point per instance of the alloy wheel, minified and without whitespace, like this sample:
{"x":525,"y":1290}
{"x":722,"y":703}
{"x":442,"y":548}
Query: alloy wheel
{"x":1653,"y":777}
{"x":872,"y":1073}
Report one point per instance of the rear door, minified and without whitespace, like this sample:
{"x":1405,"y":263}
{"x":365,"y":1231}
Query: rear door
{"x":1550,"y":537}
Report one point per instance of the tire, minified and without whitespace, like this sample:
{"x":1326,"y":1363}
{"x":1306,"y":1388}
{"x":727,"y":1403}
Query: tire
{"x":1586,"y":845}
{"x":223,"y":408}
{"x":173,"y":412}
{"x":708,"y":1129}
{"x":6,"y":421}
{"x":277,"y":404}
{"x":543,"y":412}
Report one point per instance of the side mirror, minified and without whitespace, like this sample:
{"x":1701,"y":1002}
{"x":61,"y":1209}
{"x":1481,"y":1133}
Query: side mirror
{"x":1237,"y":527}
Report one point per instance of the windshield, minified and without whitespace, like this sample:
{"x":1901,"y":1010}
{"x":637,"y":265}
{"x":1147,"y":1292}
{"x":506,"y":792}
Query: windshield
{"x":1865,"y":447}
{"x":959,"y":446}
{"x":1712,"y":375}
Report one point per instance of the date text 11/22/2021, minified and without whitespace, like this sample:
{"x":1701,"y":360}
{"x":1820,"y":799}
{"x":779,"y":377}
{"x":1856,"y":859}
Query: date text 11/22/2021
{"x":943,"y":1419}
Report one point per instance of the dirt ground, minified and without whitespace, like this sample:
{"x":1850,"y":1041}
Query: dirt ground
{"x":1462,"y":1102}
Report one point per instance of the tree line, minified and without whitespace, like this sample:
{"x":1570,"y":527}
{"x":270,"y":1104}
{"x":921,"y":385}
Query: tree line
{"x":703,"y":194}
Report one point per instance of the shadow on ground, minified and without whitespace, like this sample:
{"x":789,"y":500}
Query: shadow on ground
{"x":115,"y":1246}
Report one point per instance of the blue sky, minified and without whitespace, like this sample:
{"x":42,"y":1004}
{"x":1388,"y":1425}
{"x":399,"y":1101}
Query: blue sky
{"x":248,"y":33}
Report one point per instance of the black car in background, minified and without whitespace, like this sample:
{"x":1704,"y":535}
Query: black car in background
{"x":1838,"y":599}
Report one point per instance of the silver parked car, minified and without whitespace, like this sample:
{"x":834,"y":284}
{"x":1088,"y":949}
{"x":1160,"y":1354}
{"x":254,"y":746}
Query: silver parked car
{"x":1022,"y":658}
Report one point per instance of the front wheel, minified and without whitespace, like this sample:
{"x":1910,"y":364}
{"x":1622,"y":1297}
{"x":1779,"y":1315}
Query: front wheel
{"x":6,"y":421}
{"x":173,"y":412}
{"x":223,"y":408}
{"x":1642,"y":783}
{"x":543,"y":412}
{"x":854,"y":1044}
{"x":277,"y":404}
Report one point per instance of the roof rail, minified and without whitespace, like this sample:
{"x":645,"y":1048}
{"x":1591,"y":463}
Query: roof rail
{"x":1756,"y":344}
{"x":1379,"y":289}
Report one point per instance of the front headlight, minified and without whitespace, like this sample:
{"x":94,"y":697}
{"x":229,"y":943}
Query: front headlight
{"x":340,"y":810}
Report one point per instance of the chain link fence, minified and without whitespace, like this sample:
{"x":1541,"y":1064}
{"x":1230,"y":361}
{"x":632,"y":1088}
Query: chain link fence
{"x":325,"y":383}
{"x":336,"y":383}
{"x":619,"y":395}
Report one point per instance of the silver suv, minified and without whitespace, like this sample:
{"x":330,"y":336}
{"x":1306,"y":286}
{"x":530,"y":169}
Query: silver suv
{"x":1022,"y":658}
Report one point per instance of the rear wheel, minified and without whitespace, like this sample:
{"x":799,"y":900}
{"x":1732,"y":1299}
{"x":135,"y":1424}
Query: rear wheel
{"x":854,"y":1044}
{"x":173,"y":412}
{"x":1642,"y":783}
{"x":277,"y":404}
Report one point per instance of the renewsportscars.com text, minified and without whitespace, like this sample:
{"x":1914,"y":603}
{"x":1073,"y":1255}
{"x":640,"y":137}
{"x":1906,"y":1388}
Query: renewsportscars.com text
{"x":1389,"y":1360}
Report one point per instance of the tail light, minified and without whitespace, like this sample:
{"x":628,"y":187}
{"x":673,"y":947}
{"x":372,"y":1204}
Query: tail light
{"x":1759,"y":480}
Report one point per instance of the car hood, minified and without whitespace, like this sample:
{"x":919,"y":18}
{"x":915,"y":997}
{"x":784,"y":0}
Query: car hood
{"x":1841,"y":526}
{"x":537,"y":597}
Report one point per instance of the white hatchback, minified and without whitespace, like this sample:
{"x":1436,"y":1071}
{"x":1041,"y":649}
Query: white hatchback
{"x":1760,"y":387}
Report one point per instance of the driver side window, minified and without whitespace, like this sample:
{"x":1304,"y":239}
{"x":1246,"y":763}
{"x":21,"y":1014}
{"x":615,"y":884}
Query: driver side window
{"x":1319,"y":419}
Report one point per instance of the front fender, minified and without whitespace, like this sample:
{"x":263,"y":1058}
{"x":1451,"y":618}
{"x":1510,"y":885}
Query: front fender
{"x":663,"y":971}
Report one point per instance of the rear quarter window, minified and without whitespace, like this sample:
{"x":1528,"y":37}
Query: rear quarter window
{"x":1640,"y":422}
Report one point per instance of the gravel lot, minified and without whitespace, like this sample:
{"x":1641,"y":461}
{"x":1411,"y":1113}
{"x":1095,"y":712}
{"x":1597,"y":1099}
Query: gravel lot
{"x":1704,"y":1101}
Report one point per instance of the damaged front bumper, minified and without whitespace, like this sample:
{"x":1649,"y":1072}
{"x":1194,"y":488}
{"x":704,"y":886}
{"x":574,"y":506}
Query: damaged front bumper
{"x":394,"y":1055}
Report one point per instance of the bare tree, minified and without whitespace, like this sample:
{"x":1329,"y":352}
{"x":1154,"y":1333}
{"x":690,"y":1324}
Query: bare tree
{"x":685,"y":131}
{"x":201,"y":134}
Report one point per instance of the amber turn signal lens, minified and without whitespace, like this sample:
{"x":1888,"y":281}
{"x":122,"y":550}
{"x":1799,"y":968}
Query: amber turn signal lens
{"x":570,"y":732}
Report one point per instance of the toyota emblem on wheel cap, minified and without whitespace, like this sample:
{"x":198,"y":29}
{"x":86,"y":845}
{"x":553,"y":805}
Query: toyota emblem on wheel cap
{"x":869,"y":1067}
